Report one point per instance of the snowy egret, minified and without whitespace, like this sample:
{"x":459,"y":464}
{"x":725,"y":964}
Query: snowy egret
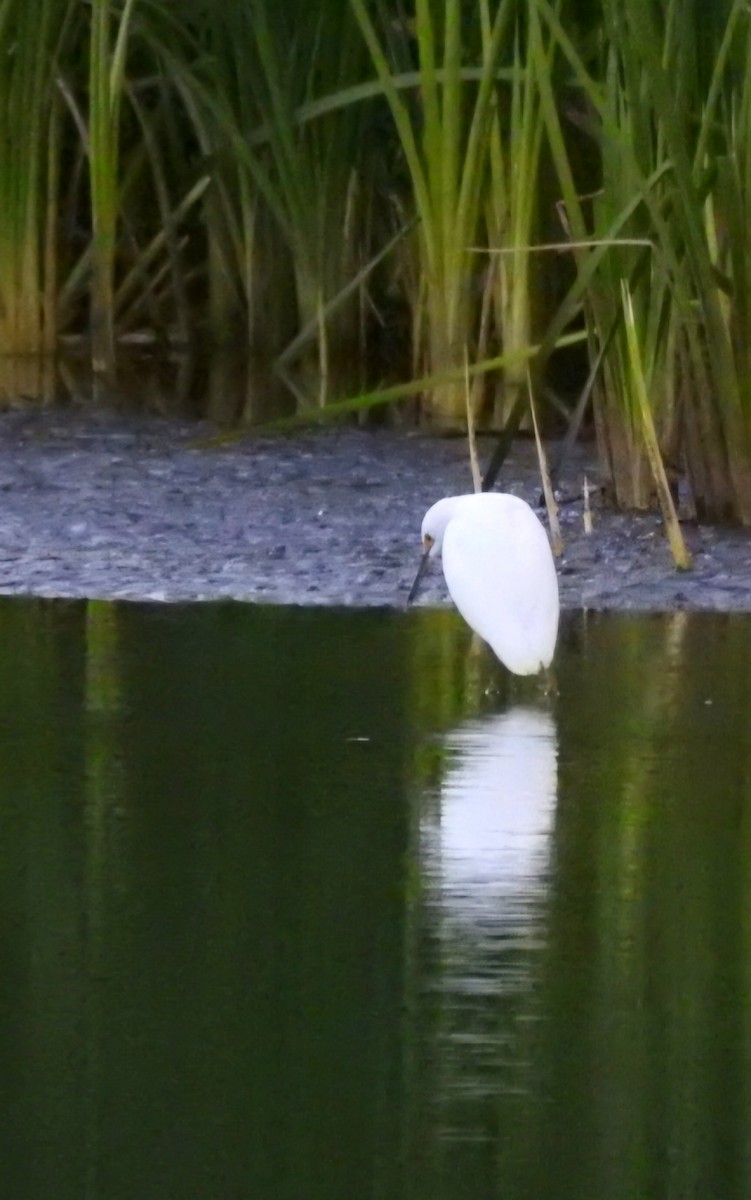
{"x":500,"y":572}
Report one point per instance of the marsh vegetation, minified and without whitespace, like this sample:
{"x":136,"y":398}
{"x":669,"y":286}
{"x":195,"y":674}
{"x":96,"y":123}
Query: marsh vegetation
{"x":389,"y":200}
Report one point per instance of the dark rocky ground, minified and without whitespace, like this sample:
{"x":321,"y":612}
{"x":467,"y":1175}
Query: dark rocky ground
{"x":122,"y":508}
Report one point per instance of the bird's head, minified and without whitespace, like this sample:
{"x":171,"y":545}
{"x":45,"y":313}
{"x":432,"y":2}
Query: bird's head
{"x":434,"y":525}
{"x":433,"y":528}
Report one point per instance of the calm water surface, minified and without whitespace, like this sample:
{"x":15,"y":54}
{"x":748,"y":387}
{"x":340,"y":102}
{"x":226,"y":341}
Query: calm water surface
{"x":292,"y":909}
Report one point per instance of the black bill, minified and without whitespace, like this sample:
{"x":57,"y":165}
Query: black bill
{"x":418,"y":577}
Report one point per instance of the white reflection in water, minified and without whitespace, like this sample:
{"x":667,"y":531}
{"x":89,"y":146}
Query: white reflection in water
{"x":486,"y":854}
{"x":497,"y":805}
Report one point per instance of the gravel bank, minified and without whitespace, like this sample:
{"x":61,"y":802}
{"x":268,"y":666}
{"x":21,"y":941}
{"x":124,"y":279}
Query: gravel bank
{"x":119,"y":508}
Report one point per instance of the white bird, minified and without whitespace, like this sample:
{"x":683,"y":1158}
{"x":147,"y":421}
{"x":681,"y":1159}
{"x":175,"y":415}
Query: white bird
{"x":500,"y":573}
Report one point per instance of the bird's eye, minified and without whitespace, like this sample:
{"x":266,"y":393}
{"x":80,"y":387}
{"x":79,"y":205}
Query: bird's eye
{"x":427,"y":541}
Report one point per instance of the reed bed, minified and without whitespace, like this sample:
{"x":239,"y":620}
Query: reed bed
{"x":364,"y":196}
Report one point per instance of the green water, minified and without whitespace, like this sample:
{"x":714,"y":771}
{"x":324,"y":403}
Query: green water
{"x":293,"y":910}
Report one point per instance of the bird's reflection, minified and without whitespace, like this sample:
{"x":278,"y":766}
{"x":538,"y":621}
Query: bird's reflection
{"x":489,"y":847}
{"x":486,"y":859}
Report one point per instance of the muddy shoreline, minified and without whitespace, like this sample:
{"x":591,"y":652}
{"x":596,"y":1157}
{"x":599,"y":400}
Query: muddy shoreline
{"x":136,"y":508}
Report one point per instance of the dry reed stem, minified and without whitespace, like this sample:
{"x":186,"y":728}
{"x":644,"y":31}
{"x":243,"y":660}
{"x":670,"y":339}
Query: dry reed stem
{"x":474,"y":462}
{"x":547,"y":486}
{"x":587,"y":509}
{"x":678,"y":548}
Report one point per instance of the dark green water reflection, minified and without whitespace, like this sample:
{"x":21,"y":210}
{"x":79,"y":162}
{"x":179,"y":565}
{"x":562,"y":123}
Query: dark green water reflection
{"x":292,"y":910}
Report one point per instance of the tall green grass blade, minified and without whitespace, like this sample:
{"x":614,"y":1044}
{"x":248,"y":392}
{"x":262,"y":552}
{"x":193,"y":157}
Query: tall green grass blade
{"x":106,"y":77}
{"x":445,"y":145}
{"x":639,"y":387}
{"x":32,"y":39}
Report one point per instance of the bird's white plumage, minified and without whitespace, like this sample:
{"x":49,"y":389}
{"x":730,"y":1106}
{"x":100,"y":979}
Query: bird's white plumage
{"x":500,"y":573}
